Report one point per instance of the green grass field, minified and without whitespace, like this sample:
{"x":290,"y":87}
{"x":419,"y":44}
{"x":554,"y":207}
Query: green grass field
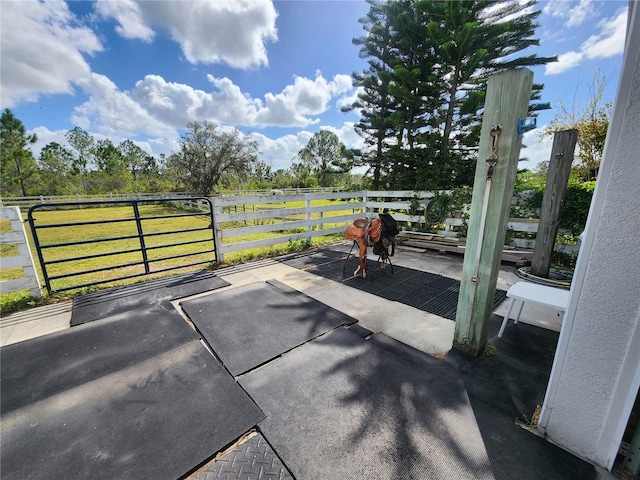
{"x":117,"y":257}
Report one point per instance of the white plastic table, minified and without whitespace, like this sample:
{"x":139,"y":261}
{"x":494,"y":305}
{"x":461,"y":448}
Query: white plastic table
{"x":552,"y":297}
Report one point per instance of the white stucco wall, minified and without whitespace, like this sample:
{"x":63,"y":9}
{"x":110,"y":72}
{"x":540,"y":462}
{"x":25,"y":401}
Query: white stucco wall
{"x":596,"y":371}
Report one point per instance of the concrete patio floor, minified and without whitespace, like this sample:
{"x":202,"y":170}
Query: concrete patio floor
{"x":399,"y":329}
{"x":424,"y":331}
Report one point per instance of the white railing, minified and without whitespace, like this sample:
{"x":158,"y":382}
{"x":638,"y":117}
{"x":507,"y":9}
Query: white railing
{"x":282,"y":218}
{"x":297,"y":216}
{"x":27,"y":202}
{"x":17,"y":237}
{"x":275,"y":215}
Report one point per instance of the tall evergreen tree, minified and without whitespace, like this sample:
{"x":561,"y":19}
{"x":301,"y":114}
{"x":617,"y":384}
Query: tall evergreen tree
{"x":475,"y":39}
{"x":56,"y":167}
{"x":375,"y":104}
{"x":17,"y":164}
{"x":432,"y":59}
{"x":83,"y":143}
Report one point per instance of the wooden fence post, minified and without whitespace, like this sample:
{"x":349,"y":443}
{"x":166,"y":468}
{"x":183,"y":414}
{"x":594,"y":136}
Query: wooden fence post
{"x":507,"y":100}
{"x":308,"y":217}
{"x":564,"y":144}
{"x":217,"y":228}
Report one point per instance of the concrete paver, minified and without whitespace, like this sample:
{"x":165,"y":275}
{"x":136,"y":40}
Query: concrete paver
{"x":34,"y":322}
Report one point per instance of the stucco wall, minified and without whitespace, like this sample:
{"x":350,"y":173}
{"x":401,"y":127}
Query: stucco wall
{"x":596,"y":368}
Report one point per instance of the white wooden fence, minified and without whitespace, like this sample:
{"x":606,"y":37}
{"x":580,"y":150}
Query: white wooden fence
{"x":274,"y":214}
{"x":284,"y":220}
{"x":17,"y":236}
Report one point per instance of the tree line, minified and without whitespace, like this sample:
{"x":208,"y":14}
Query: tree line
{"x":209,"y":158}
{"x":420,"y":104}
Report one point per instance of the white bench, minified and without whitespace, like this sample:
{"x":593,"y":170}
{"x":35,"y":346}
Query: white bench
{"x":552,"y":297}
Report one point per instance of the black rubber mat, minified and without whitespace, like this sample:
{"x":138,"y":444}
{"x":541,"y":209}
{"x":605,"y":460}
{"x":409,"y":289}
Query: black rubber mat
{"x":505,"y":385}
{"x":342,"y":408}
{"x":44,"y":366}
{"x":133,"y":396}
{"x":104,"y":303}
{"x":250,"y":325}
{"x":423,"y":290}
{"x":254,"y":459}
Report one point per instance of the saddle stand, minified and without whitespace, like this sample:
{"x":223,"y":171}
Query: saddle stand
{"x":344,"y":265}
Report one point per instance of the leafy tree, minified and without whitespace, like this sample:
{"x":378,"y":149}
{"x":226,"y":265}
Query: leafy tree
{"x":112,"y":174}
{"x":83,"y":143}
{"x":261,"y":174}
{"x":592,"y":122}
{"x":16,"y":160}
{"x":302,"y":176}
{"x":56,"y":168}
{"x":326,"y":156}
{"x":375,"y":103}
{"x":207,"y":153}
{"x":108,"y":158}
{"x":138,"y":162}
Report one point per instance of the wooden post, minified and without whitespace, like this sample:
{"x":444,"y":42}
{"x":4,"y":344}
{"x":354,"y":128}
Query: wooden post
{"x":308,"y":217}
{"x":564,"y":144}
{"x":507,"y":100}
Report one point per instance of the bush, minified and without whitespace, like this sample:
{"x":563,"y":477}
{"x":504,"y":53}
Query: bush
{"x":577,"y":200}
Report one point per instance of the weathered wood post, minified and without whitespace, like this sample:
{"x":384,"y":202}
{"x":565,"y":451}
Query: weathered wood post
{"x":507,"y":100}
{"x":564,"y":144}
{"x":308,"y":218}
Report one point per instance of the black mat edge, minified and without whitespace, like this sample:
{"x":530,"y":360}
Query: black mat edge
{"x":84,"y":306}
{"x":330,"y":311}
{"x":359,"y":330}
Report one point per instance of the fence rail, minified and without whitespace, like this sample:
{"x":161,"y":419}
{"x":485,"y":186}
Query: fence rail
{"x":296,"y":216}
{"x":27,"y":202}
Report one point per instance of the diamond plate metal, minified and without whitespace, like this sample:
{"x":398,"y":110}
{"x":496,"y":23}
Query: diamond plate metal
{"x":251,"y":460}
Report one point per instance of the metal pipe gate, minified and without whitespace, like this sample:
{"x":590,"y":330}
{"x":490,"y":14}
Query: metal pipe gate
{"x":140,"y":243}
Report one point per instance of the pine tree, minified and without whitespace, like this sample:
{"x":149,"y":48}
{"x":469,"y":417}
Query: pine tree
{"x":425,"y":85}
{"x":17,"y":164}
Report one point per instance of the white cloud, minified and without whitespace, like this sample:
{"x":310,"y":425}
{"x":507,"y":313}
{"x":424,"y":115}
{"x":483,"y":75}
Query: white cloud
{"x":608,"y":42}
{"x":304,"y":98}
{"x":159,"y":109}
{"x":233,"y":32}
{"x":292,"y":107}
{"x":177,"y":104}
{"x":347,"y":135}
{"x":566,"y":61}
{"x":114,"y":113}
{"x":348,"y":100}
{"x":280,"y":152}
{"x":171,"y":103}
{"x":129,"y":17}
{"x":573,"y":16}
{"x":42,"y":50}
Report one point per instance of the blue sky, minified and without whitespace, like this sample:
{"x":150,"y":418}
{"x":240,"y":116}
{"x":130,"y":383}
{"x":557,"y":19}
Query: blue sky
{"x":278,"y":71}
